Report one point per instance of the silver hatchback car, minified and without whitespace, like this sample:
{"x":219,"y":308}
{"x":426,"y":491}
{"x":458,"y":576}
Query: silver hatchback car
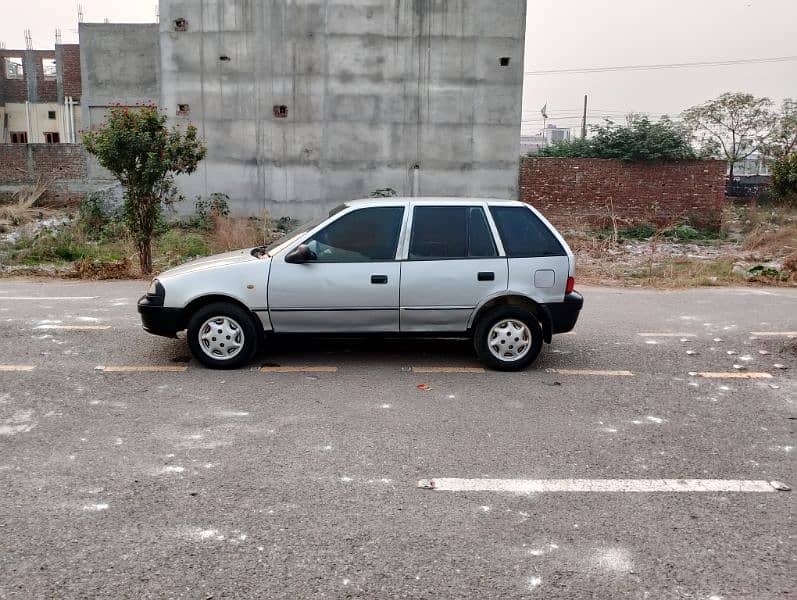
{"x":493,"y":270}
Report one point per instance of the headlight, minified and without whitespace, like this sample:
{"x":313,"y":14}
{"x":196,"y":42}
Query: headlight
{"x":155,"y":288}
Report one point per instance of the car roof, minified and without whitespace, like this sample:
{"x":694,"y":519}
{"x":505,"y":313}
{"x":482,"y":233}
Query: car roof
{"x":432,"y":201}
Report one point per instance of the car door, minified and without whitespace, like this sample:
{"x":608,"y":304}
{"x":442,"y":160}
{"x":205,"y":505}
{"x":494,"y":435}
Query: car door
{"x":352,"y":283}
{"x":452,"y":265}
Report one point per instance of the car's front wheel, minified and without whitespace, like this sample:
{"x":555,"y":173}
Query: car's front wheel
{"x":222,"y":336}
{"x":508,"y":338}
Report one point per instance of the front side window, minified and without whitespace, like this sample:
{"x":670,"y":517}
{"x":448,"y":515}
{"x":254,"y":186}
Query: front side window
{"x":364,"y":235}
{"x":523,"y":234}
{"x":446,"y":232}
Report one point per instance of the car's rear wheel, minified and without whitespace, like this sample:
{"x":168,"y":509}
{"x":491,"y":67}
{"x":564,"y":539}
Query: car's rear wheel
{"x":222,"y":336}
{"x":508,"y":338}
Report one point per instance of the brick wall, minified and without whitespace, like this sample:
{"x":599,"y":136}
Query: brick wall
{"x":60,"y":164}
{"x":13,"y":163}
{"x":70,"y":67}
{"x":582,"y":191}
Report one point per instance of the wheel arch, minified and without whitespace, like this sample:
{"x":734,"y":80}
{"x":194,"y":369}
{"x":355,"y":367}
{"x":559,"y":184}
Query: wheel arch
{"x":540,"y":311}
{"x":202,"y":301}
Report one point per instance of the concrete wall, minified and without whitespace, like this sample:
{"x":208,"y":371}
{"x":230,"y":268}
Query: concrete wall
{"x":372,"y":88}
{"x":578,"y":192}
{"x":119,"y":64}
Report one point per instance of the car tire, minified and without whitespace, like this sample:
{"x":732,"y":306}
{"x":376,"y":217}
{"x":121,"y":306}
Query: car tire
{"x":508,"y":338}
{"x":222,"y":336}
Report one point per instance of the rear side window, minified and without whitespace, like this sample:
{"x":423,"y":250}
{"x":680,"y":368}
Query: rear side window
{"x":441,"y":232}
{"x":368,"y":234}
{"x":523,"y":234}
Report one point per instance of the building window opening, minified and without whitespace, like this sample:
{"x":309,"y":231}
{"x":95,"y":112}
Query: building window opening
{"x":51,"y":114}
{"x":52,"y":137}
{"x":183,"y":110}
{"x":14,"y":68}
{"x":19,"y":137}
{"x":280,"y":111}
{"x":49,"y":68}
{"x":505,"y":60}
{"x":180,"y":25}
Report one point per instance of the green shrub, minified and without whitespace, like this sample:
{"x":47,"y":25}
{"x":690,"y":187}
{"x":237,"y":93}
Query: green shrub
{"x":177,"y":245}
{"x":639,"y":140}
{"x":207,"y":209}
{"x":784,"y":179}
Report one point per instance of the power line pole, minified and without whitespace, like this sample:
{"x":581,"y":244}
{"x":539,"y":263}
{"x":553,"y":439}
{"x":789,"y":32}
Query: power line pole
{"x":584,"y":120}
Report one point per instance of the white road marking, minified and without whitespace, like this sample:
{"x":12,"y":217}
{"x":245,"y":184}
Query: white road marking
{"x":74,"y":327}
{"x":534,"y":486}
{"x":48,"y":298}
{"x":16,"y":368}
{"x":298,"y":369}
{"x":142,"y":369}
{"x":665,"y":334}
{"x":591,"y":372}
{"x":448,"y":370}
{"x":736,"y":375}
{"x":774,"y":333}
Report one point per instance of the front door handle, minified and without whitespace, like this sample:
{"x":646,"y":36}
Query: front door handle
{"x":379,"y":279}
{"x":486,"y":276}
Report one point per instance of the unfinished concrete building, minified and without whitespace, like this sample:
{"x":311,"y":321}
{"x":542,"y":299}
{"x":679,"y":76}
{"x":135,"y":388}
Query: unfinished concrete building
{"x":39,"y":95}
{"x":307,"y":103}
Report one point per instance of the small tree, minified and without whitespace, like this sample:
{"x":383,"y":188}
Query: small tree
{"x":783,"y":140}
{"x":733,"y":126}
{"x":144,"y":155}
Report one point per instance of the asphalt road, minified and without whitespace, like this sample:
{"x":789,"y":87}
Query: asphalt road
{"x":262,"y":484}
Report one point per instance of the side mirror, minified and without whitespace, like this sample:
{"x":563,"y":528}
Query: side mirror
{"x":300,"y":255}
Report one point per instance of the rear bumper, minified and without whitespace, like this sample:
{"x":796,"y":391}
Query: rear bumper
{"x":159,"y":320}
{"x":565,"y":314}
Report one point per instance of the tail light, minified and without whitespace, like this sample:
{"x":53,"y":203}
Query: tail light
{"x":571,"y":284}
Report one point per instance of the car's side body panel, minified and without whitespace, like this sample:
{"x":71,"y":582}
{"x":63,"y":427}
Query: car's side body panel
{"x":334,"y":297}
{"x":440,"y":295}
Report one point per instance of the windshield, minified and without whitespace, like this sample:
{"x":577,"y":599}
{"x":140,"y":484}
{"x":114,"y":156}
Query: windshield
{"x":277,"y":245}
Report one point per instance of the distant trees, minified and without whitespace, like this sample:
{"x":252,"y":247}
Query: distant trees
{"x":135,"y":145}
{"x":640,"y":139}
{"x":732,"y":126}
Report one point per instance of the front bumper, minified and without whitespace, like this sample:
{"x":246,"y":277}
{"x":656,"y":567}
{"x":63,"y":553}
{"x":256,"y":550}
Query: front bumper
{"x":565,"y":314}
{"x":158,"y":320}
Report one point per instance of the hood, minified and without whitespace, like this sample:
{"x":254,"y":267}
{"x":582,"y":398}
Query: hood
{"x":211,"y":262}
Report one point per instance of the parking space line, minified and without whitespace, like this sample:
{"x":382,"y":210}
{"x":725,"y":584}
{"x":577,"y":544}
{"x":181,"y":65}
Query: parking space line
{"x":735,"y":375}
{"x":7,"y":368}
{"x":535,"y":486}
{"x":774,"y":333}
{"x":74,"y":327}
{"x":142,"y":369}
{"x":448,"y":370}
{"x":48,"y":298}
{"x":591,"y":372}
{"x":309,"y":369}
{"x":665,"y":334}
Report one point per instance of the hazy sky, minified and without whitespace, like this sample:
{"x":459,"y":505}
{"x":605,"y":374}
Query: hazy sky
{"x":566,"y":34}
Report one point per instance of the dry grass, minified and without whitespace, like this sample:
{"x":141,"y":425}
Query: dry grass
{"x":236,"y":233}
{"x":22,"y":208}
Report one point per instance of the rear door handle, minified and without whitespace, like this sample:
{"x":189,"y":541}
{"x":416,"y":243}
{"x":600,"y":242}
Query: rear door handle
{"x":486,"y":276}
{"x":379,"y":279}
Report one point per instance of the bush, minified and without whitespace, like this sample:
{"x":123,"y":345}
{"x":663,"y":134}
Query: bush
{"x":784,"y":179}
{"x":639,"y":140}
{"x":176,"y":245}
{"x":98,"y":219}
{"x":207,"y":209}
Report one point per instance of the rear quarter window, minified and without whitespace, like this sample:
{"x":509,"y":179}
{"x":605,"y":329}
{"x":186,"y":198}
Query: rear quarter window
{"x":523,"y":234}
